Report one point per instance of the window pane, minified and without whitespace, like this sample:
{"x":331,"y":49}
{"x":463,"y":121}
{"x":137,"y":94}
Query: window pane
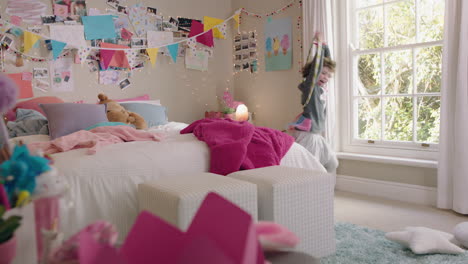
{"x":431,"y":20}
{"x":369,"y":74}
{"x":363,"y":3}
{"x":369,"y":118}
{"x":401,"y":23}
{"x":371,"y":28}
{"x":399,"y":118}
{"x":398,"y":72}
{"x":429,"y":69}
{"x":428,"y":119}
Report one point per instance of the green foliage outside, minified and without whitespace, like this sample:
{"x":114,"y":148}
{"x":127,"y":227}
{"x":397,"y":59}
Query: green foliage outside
{"x":398,"y":74}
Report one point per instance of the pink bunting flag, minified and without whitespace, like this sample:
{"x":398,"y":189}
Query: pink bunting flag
{"x":207,"y":240}
{"x":205,"y":39}
{"x":118,"y":58}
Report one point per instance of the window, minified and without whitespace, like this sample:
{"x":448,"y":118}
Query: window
{"x":395,"y":75}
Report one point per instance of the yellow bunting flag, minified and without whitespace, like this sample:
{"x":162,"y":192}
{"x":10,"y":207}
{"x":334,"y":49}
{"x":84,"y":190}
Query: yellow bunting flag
{"x":237,"y":19}
{"x":209,"y":23}
{"x":153,"y":54}
{"x":29,"y":40}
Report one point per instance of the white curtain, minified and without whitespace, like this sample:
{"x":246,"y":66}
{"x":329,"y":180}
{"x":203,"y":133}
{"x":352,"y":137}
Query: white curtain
{"x":317,"y":16}
{"x":453,"y":161}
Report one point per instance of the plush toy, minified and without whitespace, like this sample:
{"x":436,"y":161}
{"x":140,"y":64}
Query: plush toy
{"x":116,"y":113}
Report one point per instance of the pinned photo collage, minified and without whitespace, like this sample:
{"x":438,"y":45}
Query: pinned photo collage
{"x":245,"y":52}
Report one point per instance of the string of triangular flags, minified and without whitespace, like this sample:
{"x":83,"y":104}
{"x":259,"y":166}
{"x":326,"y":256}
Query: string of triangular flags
{"x":200,"y":32}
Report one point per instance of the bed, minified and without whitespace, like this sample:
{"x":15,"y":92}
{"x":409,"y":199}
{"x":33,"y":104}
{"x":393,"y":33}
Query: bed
{"x":103,"y":186}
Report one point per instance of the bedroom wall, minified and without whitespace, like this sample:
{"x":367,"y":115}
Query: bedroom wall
{"x":271,"y":96}
{"x":186,"y":93}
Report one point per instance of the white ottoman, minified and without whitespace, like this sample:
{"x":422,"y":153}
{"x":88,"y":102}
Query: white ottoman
{"x":301,"y":200}
{"x":177,"y":199}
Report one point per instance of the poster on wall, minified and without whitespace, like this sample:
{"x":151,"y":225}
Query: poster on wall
{"x":69,"y":10}
{"x":30,"y":15}
{"x":278,"y":48}
{"x":197,"y":60}
{"x":61,"y":75}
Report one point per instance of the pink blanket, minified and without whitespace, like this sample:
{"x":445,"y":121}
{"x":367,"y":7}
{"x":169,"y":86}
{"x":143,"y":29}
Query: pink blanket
{"x":94,"y":139}
{"x":240,"y":145}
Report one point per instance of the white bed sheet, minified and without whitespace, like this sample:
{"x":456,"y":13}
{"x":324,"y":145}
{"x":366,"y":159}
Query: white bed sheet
{"x":103,"y":186}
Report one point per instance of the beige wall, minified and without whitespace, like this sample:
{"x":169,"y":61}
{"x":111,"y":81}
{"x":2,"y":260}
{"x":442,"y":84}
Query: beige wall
{"x":186,"y":93}
{"x":273,"y":97}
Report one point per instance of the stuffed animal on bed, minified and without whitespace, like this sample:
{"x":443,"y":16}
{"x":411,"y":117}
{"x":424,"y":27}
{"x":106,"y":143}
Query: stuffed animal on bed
{"x":117,"y":113}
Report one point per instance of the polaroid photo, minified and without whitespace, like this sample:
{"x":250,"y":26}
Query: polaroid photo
{"x":42,"y":85}
{"x":139,"y":65}
{"x":48,"y":19}
{"x":237,"y":38}
{"x":70,"y":22}
{"x":245,"y":36}
{"x":110,"y":40}
{"x":174,"y":21}
{"x":252,"y":35}
{"x":245,"y":56}
{"x":123,"y":42}
{"x":237,"y":67}
{"x":237,"y":47}
{"x":245,"y":66}
{"x":124,"y":84}
{"x":253,"y":54}
{"x":6,"y":40}
{"x":238,"y":57}
{"x":35,"y":29}
{"x":209,"y":51}
{"x":96,"y":42}
{"x":40,"y":73}
{"x":113,"y":3}
{"x":122,"y":10}
{"x":245,"y":46}
{"x":181,"y":34}
{"x":92,"y":66}
{"x":252,"y":45}
{"x":138,"y":42}
{"x":152,"y":11}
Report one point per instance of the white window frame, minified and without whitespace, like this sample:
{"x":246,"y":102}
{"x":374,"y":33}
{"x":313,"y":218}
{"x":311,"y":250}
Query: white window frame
{"x":347,"y":54}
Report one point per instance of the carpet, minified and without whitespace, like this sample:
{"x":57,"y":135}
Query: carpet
{"x":361,"y":245}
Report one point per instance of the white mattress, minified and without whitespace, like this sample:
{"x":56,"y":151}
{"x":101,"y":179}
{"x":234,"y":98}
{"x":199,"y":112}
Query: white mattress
{"x":104,"y":186}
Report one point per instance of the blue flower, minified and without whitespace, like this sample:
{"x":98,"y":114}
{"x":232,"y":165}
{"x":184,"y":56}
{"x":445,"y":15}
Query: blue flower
{"x":20,"y":171}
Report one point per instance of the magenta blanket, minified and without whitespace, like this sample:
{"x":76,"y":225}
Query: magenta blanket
{"x":240,"y":145}
{"x":94,"y":139}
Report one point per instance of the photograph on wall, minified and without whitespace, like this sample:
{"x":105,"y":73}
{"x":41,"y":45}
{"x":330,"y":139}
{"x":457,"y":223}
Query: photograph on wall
{"x":124,"y":84}
{"x":278,"y":48}
{"x":108,"y":77}
{"x":197,"y":60}
{"x":40,"y":73}
{"x":66,"y":10}
{"x":41,"y":85}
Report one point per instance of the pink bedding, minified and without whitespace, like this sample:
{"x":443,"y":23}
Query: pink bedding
{"x":94,"y":139}
{"x":240,"y":145}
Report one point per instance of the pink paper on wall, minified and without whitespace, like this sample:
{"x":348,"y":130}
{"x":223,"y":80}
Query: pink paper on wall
{"x":27,"y":76}
{"x":205,"y":39}
{"x":16,"y":20}
{"x":127,"y":35}
{"x":60,"y":10}
{"x":25,"y":87}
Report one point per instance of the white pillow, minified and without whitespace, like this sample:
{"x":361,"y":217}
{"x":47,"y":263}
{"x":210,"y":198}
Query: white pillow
{"x":153,"y":102}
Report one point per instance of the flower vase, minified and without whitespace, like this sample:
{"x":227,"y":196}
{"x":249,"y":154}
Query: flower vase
{"x":8,"y":251}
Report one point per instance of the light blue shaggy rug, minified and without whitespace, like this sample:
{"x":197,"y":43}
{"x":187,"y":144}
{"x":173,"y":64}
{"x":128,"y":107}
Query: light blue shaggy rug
{"x":360,"y":245}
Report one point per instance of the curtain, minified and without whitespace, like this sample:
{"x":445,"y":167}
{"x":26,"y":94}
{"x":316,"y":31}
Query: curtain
{"x":317,"y":16}
{"x":453,"y":148}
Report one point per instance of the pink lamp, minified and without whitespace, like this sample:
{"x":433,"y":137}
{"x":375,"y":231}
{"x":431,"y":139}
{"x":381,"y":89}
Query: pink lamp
{"x":242,"y":113}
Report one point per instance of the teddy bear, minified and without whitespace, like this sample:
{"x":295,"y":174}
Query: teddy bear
{"x":117,"y":113}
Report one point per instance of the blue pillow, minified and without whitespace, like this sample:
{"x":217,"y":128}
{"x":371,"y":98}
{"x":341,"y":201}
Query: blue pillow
{"x":154,"y":115}
{"x":101,"y":124}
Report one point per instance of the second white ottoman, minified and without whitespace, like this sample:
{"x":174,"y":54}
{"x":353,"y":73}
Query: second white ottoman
{"x":301,"y":200}
{"x":177,"y":199}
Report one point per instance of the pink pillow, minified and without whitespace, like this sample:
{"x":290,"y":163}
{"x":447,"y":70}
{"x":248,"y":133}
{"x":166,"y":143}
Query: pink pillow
{"x":144,"y":97}
{"x":275,"y":237}
{"x":33,"y":104}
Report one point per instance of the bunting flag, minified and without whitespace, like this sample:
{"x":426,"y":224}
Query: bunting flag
{"x":192,"y":44}
{"x":205,"y":39}
{"x":29,"y":40}
{"x":131,"y":57}
{"x":83,"y":54}
{"x":153,"y":54}
{"x":237,"y":19}
{"x":212,"y":23}
{"x":173,"y":50}
{"x":57,"y":48}
{"x":118,"y":58}
{"x":106,"y":57}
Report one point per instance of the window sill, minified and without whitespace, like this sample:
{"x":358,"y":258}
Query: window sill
{"x":388,"y":160}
